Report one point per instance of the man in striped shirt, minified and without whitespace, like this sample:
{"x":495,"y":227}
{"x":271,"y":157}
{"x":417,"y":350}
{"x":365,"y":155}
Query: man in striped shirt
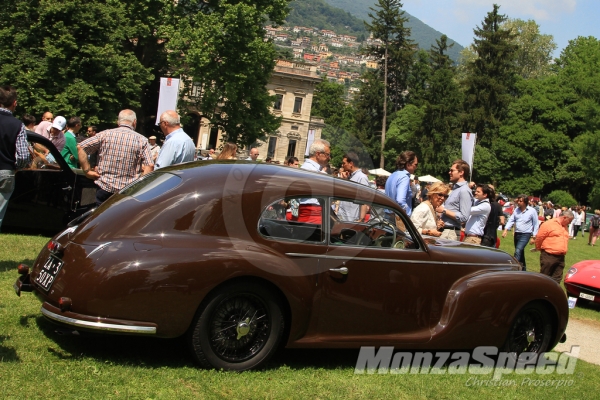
{"x":123,"y":156}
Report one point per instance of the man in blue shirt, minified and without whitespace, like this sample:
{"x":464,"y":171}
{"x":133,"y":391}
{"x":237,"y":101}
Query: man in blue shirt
{"x":525,"y":220}
{"x":456,"y":210}
{"x":178,"y":146}
{"x":398,"y":184}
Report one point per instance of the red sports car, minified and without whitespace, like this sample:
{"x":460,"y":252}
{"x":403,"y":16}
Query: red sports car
{"x":583,"y":280}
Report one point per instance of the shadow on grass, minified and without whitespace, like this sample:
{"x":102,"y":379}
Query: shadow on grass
{"x":118,"y":349}
{"x":7,"y":354}
{"x":174,"y":353}
{"x":12,"y":265}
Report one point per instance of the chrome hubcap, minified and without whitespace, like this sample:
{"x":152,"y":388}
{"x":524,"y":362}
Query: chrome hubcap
{"x":530,"y":336}
{"x":243,"y":328}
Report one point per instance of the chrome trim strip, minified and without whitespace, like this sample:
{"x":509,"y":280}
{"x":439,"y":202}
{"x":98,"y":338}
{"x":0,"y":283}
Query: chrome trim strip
{"x":100,"y":247}
{"x":326,"y":257}
{"x":390,"y":260}
{"x":148,"y":330}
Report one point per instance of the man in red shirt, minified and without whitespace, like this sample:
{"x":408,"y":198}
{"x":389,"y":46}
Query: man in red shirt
{"x":552,"y":240}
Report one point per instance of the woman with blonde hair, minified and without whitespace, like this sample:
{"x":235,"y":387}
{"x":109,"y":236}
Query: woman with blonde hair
{"x":229,"y":152}
{"x":424,"y":216}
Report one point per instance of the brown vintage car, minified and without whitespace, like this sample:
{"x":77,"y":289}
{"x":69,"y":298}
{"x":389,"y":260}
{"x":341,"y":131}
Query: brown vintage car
{"x":242,"y":257}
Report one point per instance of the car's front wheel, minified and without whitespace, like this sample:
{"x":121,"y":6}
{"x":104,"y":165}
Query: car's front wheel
{"x":531,"y":331}
{"x":238,"y":328}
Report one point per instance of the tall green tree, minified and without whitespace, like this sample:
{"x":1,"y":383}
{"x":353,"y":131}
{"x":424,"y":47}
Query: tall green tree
{"x":329,"y":103}
{"x":368,"y":107}
{"x":439,"y":132}
{"x":534,"y":51}
{"x":395,"y":53}
{"x":80,"y":57}
{"x":491,"y":78}
{"x":92,"y":58}
{"x":577,"y":69}
{"x":219,"y":47}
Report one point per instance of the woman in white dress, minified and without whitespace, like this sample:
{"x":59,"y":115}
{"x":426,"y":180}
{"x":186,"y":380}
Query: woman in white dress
{"x":424,"y":216}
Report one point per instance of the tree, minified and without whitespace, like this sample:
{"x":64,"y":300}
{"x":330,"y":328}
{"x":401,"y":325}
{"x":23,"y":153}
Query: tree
{"x":440,"y":128}
{"x":92,"y":58}
{"x":219,"y":47}
{"x":80,"y":57}
{"x":534,"y":53}
{"x":418,"y":81}
{"x":396,"y":54}
{"x":328,"y":102}
{"x":491,"y":78}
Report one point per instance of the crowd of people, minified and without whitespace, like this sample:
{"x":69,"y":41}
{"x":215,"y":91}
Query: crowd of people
{"x":462,"y":210}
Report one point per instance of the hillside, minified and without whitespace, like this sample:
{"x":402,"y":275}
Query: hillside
{"x":319,"y":14}
{"x":421,"y":33}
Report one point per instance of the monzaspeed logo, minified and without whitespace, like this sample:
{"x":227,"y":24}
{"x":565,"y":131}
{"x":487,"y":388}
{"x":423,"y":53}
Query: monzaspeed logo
{"x":482,"y":360}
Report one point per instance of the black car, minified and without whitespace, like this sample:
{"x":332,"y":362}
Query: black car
{"x":48,"y":194}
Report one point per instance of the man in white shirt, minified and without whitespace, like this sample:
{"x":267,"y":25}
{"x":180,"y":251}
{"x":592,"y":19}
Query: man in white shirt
{"x":178,"y":146}
{"x":310,"y":210}
{"x":350,"y":211}
{"x":480,"y":211}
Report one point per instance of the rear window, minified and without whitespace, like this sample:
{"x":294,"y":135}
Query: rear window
{"x":152,"y":186}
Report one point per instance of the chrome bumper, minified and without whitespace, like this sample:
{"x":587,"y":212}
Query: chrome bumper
{"x":99,"y":326}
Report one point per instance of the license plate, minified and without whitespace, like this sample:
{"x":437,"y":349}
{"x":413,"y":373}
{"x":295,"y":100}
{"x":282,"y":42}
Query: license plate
{"x":49,"y":271}
{"x":586,"y":296}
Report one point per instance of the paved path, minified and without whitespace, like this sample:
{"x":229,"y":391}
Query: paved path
{"x":585,"y":334}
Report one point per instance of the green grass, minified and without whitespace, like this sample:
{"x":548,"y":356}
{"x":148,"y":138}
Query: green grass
{"x":38,"y":363}
{"x":578,"y":251}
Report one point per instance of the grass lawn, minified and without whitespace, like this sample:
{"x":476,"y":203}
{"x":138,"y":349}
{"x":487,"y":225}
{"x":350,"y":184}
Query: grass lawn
{"x":38,"y":363}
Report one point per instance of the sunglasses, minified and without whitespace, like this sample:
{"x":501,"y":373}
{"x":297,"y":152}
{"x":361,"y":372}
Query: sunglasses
{"x":445,"y":196}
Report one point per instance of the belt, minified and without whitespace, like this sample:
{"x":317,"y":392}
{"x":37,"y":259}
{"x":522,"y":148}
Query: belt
{"x":477,"y":236}
{"x":451,"y":228}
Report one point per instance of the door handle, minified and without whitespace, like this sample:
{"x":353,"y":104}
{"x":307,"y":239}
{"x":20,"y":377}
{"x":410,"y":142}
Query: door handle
{"x":67,"y":188}
{"x":343,"y":270}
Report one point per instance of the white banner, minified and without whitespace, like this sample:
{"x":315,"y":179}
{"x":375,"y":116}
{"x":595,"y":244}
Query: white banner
{"x":468,"y":148}
{"x":168,"y":96}
{"x":309,"y":141}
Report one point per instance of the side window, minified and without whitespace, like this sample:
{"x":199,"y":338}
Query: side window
{"x":355,"y":223}
{"x":278,"y":102}
{"x":294,"y":218}
{"x":298,"y":104}
{"x":42,"y":158}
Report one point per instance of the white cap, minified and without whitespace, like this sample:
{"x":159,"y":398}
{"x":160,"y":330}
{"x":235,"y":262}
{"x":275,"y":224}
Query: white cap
{"x":59,"y":123}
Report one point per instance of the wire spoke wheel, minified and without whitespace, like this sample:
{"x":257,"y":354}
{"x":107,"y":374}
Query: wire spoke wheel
{"x":531,"y":331}
{"x":237,"y":328}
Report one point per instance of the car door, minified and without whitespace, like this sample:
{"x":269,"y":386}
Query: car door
{"x":48,"y":194}
{"x":376,"y":287}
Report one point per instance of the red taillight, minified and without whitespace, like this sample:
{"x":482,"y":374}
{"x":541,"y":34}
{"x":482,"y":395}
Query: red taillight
{"x":64,"y":304}
{"x":23,"y":269}
{"x":54,"y":247}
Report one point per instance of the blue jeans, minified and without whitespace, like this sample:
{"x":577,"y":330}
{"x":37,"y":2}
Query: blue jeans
{"x":521,"y":240}
{"x":7,"y":186}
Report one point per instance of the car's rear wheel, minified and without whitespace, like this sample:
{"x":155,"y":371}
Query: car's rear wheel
{"x":531,"y":330}
{"x":238,"y":328}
